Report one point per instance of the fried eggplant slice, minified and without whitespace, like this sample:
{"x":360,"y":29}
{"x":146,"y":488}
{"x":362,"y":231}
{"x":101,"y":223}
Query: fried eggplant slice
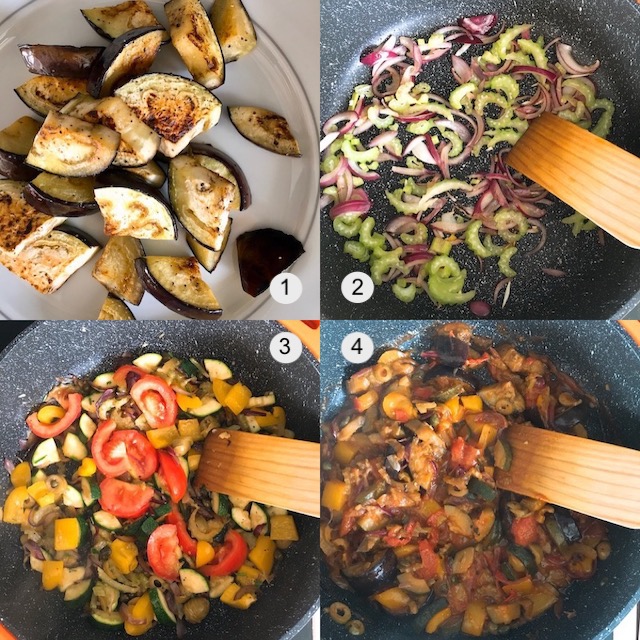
{"x":112,"y":22}
{"x":262,"y":255}
{"x":114,"y":309}
{"x":151,"y":173}
{"x":138,"y":142}
{"x":266,"y":129}
{"x":201,"y":200}
{"x":71,"y":147}
{"x":176,"y":283}
{"x":60,"y":196}
{"x":176,"y":108}
{"x":209,"y":258}
{"x":46,"y":93}
{"x":48,"y":262}
{"x":128,"y":56}
{"x":195,"y":40}
{"x":15,"y":143}
{"x":234,"y":28}
{"x":20,"y":223}
{"x":116,"y":268}
{"x":220,"y":163}
{"x":60,"y":61}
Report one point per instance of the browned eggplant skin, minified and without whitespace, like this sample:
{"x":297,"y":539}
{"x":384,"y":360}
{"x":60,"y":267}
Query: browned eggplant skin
{"x":115,"y":309}
{"x":60,"y":61}
{"x":12,"y":166}
{"x":83,"y":236}
{"x":203,"y":149}
{"x":46,"y":203}
{"x":169,"y":300}
{"x":262,"y":255}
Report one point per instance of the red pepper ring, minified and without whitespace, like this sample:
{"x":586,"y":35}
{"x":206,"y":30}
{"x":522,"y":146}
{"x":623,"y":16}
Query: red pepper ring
{"x":73,"y":411}
{"x":229,"y":558}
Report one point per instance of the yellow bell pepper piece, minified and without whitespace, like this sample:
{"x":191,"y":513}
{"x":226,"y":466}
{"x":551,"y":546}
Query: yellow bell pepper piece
{"x":41,"y":493}
{"x":475,"y":616}
{"x":21,"y":475}
{"x":140,"y":609}
{"x":334,"y":495}
{"x":473,"y":404}
{"x":161,"y":438}
{"x":50,"y":413}
{"x":190,"y":429}
{"x":87,"y":468}
{"x":263,"y":554}
{"x":394,"y":600}
{"x":283,"y":528}
{"x":437,"y":620}
{"x":487,"y":436}
{"x":229,"y":597}
{"x":457,"y":412}
{"x":273,"y":418}
{"x":205,"y":553}
{"x":67,"y":534}
{"x":14,"y":506}
{"x":193,"y":460}
{"x":52,"y":572}
{"x":188,"y":402}
{"x":248,"y":575}
{"x":220,"y":389}
{"x":238,"y":398}
{"x":124,"y":555}
{"x":344,"y":452}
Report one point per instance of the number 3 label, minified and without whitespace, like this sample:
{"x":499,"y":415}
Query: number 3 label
{"x":357,"y":287}
{"x":285,"y":347}
{"x":357,"y":347}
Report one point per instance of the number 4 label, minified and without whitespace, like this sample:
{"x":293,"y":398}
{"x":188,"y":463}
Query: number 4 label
{"x":357,"y":347}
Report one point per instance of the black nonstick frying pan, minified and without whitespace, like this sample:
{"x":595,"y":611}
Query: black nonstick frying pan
{"x":606,"y":362}
{"x":29,"y":366}
{"x":602,"y":281}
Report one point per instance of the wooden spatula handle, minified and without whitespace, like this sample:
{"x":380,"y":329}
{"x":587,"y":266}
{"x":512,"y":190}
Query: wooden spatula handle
{"x":280,"y":472}
{"x":595,"y":478}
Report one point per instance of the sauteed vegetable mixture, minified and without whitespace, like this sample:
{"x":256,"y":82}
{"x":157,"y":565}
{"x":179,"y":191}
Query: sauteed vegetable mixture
{"x":434,"y":122}
{"x":412,"y":517}
{"x":106,"y":503}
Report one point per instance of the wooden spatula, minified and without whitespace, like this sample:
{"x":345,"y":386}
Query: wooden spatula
{"x":595,"y":177}
{"x":595,"y":478}
{"x":280,"y":472}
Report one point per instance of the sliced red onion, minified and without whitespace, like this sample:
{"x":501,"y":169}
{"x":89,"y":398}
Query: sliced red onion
{"x":368,"y":176}
{"x":328,"y":140}
{"x":543,"y":236}
{"x":349,"y":117}
{"x":325,"y":201}
{"x":449,"y":224}
{"x":415,"y":117}
{"x":479,"y":25}
{"x":350,"y":207}
{"x":460,"y":69}
{"x":566,"y":59}
{"x":480,"y":308}
{"x":523,"y":68}
{"x":507,"y":293}
{"x":331,"y":178}
{"x":556,"y":273}
{"x":457,"y":127}
{"x":401,"y":224}
{"x":499,"y":287}
{"x":9,"y":465}
{"x":382,"y":138}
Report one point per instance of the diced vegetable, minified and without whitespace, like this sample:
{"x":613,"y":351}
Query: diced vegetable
{"x":125,"y":555}
{"x":68,"y":533}
{"x":106,"y":520}
{"x":52,"y":572}
{"x":161,"y":609}
{"x":243,"y":602}
{"x":14,"y":506}
{"x":45,"y":454}
{"x":73,"y":448}
{"x":21,"y":475}
{"x":283,"y":527}
{"x":263,"y":554}
{"x":193,"y":582}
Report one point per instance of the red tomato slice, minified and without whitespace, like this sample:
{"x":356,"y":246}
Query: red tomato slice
{"x":430,"y":560}
{"x":124,"y":499}
{"x":525,"y":531}
{"x":163,"y":552}
{"x":230,"y":558}
{"x":126,"y":451}
{"x":42,"y":430}
{"x":187,"y":543}
{"x":172,"y":473}
{"x":120,"y":376}
{"x":463,"y":454}
{"x":157,"y":400}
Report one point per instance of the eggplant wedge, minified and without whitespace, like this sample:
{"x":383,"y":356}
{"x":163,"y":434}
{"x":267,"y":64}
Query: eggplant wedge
{"x":61,"y":61}
{"x":70,"y":147}
{"x":176,"y":108}
{"x":116,"y":268}
{"x":48,"y":262}
{"x":46,"y":93}
{"x":209,"y":258}
{"x":138,"y":142}
{"x":15,"y":143}
{"x":59,"y":196}
{"x":20,"y":223}
{"x":128,"y":56}
{"x":176,"y":283}
{"x":114,"y":309}
{"x":262,"y":255}
{"x":132,"y":208}
{"x":201,"y":200}
{"x":266,"y":129}
{"x":234,"y":29}
{"x":151,"y":173}
{"x":223,"y":165}
{"x":195,"y":40}
{"x":112,"y":22}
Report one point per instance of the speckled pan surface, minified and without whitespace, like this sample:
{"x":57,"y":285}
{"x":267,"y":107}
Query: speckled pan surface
{"x":27,"y":369}
{"x":603,"y":282}
{"x":606,"y":362}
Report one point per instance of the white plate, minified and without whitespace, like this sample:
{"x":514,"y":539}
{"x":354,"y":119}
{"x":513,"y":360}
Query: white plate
{"x":284,"y":190}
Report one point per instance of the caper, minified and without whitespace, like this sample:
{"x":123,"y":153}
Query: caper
{"x":196,"y":610}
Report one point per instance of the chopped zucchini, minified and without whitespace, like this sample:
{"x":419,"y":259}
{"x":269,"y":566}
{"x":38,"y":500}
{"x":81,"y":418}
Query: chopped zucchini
{"x":104,"y":381}
{"x":266,"y":400}
{"x":87,"y":426}
{"x":79,"y":593}
{"x":164,"y":615}
{"x":241,"y":518}
{"x":217,"y":369}
{"x":220,"y":504}
{"x":208,"y":406}
{"x":502,"y":454}
{"x":148,"y":361}
{"x":106,"y":520}
{"x":259,"y":517}
{"x":72,"y":498}
{"x":108,"y":619}
{"x":46,"y":453}
{"x":73,"y":447}
{"x":219,"y":585}
{"x":90,"y":491}
{"x":240,"y":503}
{"x":193,"y":582}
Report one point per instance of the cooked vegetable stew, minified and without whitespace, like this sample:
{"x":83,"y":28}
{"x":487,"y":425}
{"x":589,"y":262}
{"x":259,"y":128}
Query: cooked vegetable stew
{"x":107,"y":504}
{"x":412,"y":517}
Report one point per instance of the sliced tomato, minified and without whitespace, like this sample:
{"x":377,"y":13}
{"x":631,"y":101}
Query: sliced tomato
{"x":157,"y":401}
{"x":172,"y":473}
{"x":121,"y":373}
{"x":463,"y":454}
{"x":187,"y":543}
{"x":126,"y":451}
{"x":73,"y":411}
{"x":431,"y":563}
{"x":163,"y":552}
{"x":229,"y":558}
{"x":124,"y":499}
{"x":524,"y":531}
